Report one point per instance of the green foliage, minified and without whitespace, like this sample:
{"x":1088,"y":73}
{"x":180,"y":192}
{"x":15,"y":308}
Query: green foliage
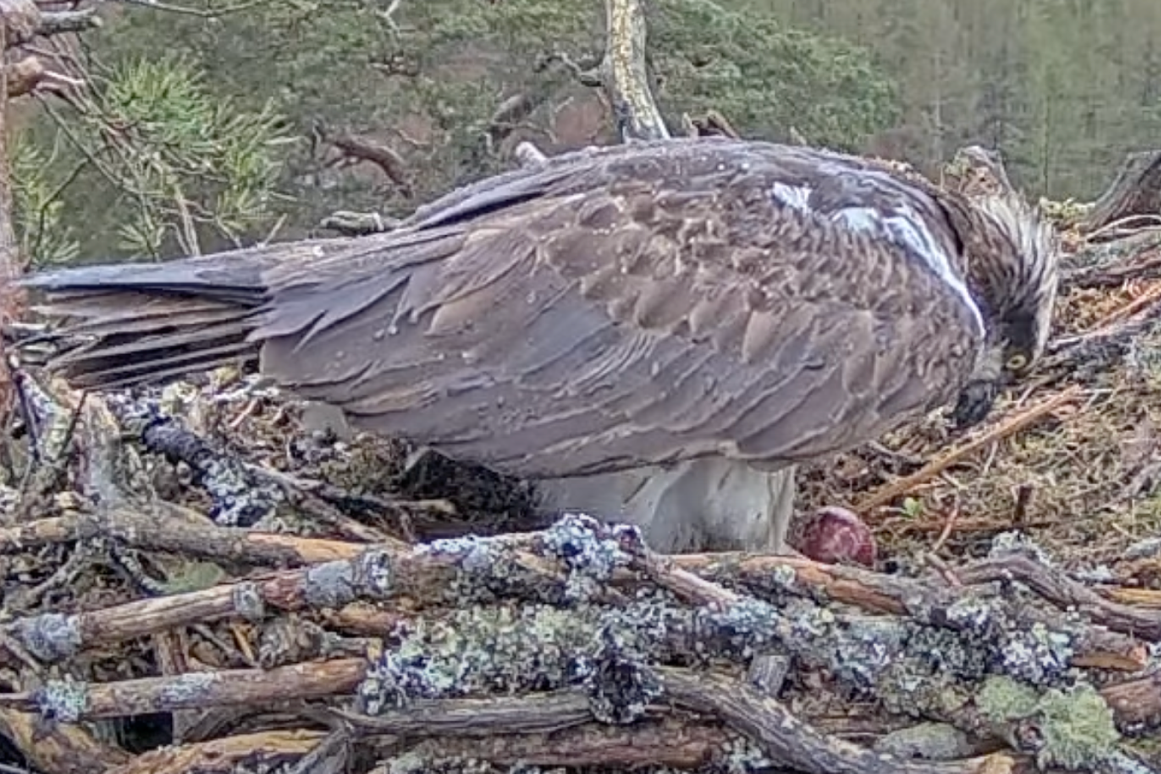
{"x":179,"y":156}
{"x":181,"y":143}
{"x":1064,"y":87}
{"x":427,"y":79}
{"x":151,"y":159}
{"x":766,"y":78}
{"x":42,"y":230}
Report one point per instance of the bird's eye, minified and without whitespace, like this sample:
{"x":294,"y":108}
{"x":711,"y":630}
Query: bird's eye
{"x":1016,"y":362}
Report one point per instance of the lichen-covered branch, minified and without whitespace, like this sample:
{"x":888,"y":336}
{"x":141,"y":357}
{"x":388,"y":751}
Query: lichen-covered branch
{"x":169,"y":528}
{"x":56,"y":636}
{"x":935,"y":603}
{"x":786,"y":738}
{"x":626,"y":75}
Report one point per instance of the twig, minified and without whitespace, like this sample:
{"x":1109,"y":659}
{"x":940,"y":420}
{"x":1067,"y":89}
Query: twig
{"x":387,"y":159}
{"x":876,"y":592}
{"x":1006,"y":428}
{"x":227,"y":754}
{"x":674,"y":743}
{"x":58,"y":747}
{"x":1054,"y":585}
{"x":166,"y":529}
{"x":1136,"y":261}
{"x":785,"y":738}
{"x":71,"y":701}
{"x":54,"y":636}
{"x":1143,"y":301}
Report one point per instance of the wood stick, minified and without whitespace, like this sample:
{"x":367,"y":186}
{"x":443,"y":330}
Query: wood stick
{"x":1009,"y":427}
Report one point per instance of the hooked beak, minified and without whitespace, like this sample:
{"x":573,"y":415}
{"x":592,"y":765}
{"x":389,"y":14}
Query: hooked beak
{"x":976,"y":400}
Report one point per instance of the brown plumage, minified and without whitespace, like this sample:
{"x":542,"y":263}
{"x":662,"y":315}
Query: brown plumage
{"x":698,"y":314}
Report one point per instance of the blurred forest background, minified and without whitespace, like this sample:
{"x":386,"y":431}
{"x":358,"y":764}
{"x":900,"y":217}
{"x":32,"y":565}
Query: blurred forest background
{"x":226,"y":123}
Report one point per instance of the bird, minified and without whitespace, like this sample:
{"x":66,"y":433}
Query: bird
{"x":653,"y":333}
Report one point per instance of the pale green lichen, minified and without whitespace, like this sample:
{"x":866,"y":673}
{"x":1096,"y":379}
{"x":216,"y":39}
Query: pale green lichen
{"x":488,"y":571}
{"x":993,"y":636}
{"x":931,"y":741}
{"x":1074,"y":728}
{"x":480,"y":650}
{"x":1016,"y":542}
{"x":338,"y":583}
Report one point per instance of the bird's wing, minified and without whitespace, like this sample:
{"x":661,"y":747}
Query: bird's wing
{"x":638,"y":306}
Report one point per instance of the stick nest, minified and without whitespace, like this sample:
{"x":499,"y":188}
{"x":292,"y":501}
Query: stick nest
{"x":208,"y":578}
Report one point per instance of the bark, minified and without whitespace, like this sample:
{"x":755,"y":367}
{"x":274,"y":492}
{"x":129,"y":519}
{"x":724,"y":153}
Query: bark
{"x":16,"y":20}
{"x":626,"y":73}
{"x":976,"y":171}
{"x":1134,"y":194}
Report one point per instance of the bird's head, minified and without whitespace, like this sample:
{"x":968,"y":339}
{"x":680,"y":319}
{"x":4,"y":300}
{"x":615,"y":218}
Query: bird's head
{"x":1021,"y":262}
{"x":1012,"y":257}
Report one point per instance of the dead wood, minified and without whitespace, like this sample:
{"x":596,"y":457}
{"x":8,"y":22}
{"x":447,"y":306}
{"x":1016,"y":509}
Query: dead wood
{"x":1133,"y":197}
{"x":18,"y":18}
{"x":30,"y":74}
{"x":553,"y":73}
{"x":353,"y":149}
{"x":816,"y":613}
{"x":625,"y":73}
{"x":1111,"y":263}
{"x":57,"y":747}
{"x":223,"y":756}
{"x":710,"y":124}
{"x":976,"y":171}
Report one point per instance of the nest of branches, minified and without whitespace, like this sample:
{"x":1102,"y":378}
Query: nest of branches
{"x":200,"y":579}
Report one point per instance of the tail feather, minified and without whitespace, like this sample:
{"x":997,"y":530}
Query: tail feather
{"x":96,"y":317}
{"x":125,"y":325}
{"x":94,"y":369}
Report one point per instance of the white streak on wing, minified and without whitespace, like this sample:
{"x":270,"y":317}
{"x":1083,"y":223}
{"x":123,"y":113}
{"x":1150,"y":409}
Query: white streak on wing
{"x":907,"y":229}
{"x":796,"y":196}
{"x":903,"y":226}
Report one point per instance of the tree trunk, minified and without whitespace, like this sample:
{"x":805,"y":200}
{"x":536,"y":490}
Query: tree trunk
{"x":1134,"y":194}
{"x":16,"y":20}
{"x":626,"y":75}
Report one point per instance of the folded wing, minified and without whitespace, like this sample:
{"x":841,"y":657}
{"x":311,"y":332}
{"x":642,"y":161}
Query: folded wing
{"x":639,"y":305}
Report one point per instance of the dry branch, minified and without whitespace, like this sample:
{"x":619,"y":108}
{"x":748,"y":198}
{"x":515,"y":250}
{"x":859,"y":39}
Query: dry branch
{"x":23,"y":21}
{"x":223,"y":756}
{"x":30,"y":74}
{"x":64,"y":748}
{"x":1135,"y":193}
{"x":711,"y":124}
{"x":354,"y":149}
{"x":789,"y":604}
{"x":1010,"y":426}
{"x":625,"y":74}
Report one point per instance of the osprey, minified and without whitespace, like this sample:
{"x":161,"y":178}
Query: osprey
{"x":655,"y":331}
